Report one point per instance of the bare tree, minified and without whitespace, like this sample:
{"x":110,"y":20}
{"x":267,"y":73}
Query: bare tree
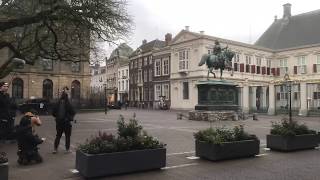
{"x":64,"y":30}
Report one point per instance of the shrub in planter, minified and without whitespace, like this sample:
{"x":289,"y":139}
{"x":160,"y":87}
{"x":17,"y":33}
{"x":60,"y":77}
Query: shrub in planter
{"x":107,"y":154}
{"x":222,"y":143}
{"x":289,"y":136}
{"x":4,"y":168}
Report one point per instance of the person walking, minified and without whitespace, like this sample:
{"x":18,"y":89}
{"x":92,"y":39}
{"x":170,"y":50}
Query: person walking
{"x":7,"y":113}
{"x":63,"y":113}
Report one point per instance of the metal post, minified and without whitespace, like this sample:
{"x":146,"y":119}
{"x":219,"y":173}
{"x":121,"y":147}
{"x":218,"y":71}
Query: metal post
{"x":105,"y":99}
{"x":290,"y":112}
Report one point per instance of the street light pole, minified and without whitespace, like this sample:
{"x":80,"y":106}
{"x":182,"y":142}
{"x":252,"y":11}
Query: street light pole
{"x":105,"y":99}
{"x":288,"y":84}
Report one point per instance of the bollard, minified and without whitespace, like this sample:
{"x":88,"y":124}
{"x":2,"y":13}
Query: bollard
{"x":254,"y":117}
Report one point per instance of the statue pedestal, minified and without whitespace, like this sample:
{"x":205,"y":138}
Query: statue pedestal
{"x":217,"y":99}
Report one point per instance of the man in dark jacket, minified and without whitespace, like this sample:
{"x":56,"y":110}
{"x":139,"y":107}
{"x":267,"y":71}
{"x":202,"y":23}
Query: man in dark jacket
{"x":27,"y":141}
{"x":63,"y":113}
{"x":7,"y":113}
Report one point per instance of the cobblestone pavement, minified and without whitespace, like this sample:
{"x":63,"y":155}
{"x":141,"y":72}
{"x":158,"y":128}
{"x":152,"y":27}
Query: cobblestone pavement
{"x":178,"y":135}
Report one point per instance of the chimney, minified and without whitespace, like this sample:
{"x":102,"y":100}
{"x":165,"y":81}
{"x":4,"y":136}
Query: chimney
{"x":168,"y":38}
{"x":275,"y":18}
{"x":187,"y":28}
{"x":202,"y":32}
{"x":286,"y":11}
{"x":144,"y":41}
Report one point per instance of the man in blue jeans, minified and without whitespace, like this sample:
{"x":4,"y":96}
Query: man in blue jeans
{"x":63,"y":113}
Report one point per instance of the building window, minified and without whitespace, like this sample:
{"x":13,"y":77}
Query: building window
{"x":157,"y":64}
{"x":258,"y":61}
{"x":166,"y":67}
{"x":150,"y":60}
{"x":165,"y":91}
{"x":122,"y":85}
{"x":302,"y":67}
{"x":140,"y":76}
{"x":127,"y":85}
{"x":150,"y":74}
{"x":210,"y":51}
{"x":248,"y":59}
{"x":157,"y":91}
{"x":145,"y":75}
{"x":47,"y":64}
{"x":183,"y":59}
{"x":75,"y":66}
{"x":185,"y":90}
{"x":127,"y":72}
{"x":268,"y":63}
{"x":47,"y":89}
{"x":283,"y":66}
{"x":236,"y":58}
{"x":140,"y":63}
{"x":17,"y":88}
{"x":75,"y":90}
{"x":119,"y":86}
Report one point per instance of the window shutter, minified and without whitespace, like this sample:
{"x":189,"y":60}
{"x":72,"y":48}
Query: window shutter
{"x":253,"y":69}
{"x":278,"y":95}
{"x":235,"y":67}
{"x":315,"y":68}
{"x":241,"y":67}
{"x":264,"y":70}
{"x":247,"y":68}
{"x":278,"y":71}
{"x":273,"y":71}
{"x":295,"y":71}
{"x":258,"y":69}
{"x":268,"y":71}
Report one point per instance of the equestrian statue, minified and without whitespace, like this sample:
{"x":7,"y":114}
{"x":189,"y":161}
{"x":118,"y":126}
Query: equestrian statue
{"x":220,"y":59}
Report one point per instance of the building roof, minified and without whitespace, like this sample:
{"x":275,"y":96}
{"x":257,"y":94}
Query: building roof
{"x":122,"y":50}
{"x":149,"y":47}
{"x":292,"y":31}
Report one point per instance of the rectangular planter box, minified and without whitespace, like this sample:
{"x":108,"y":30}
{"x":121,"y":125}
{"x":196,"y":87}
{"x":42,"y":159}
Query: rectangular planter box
{"x":4,"y":171}
{"x":292,"y":143}
{"x":227,"y":150}
{"x":95,"y":165}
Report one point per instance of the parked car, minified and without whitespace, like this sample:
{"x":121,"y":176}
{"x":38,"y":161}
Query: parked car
{"x":114,"y":105}
{"x":42,"y":106}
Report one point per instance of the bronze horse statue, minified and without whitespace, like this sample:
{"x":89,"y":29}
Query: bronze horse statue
{"x":220,"y":61}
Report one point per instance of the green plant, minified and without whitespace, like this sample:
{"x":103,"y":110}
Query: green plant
{"x":3,"y":157}
{"x":221,"y":135}
{"x":289,"y":128}
{"x":130,"y":137}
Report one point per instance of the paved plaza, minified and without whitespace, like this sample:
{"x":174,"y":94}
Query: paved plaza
{"x":181,"y":163}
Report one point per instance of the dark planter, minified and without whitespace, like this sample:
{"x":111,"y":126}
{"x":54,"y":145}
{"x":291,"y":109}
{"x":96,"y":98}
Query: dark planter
{"x":292,"y":143}
{"x":227,"y":150}
{"x":95,"y":165}
{"x":4,"y":171}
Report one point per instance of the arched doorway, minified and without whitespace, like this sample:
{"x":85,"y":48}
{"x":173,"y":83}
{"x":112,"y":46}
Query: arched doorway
{"x":47,"y":89}
{"x":17,"y":88}
{"x":75,"y":90}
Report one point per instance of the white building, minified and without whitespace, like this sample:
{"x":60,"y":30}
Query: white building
{"x":123,"y":82}
{"x":290,"y":45}
{"x":98,"y":78}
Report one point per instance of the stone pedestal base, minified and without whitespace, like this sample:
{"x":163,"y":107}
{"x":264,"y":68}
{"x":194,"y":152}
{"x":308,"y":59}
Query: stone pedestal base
{"x":198,"y":115}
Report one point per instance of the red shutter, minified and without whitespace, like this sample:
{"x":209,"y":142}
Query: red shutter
{"x":273,"y":71}
{"x":235,"y":67}
{"x":314,"y":68}
{"x":253,"y":69}
{"x":258,"y":69}
{"x":268,"y":71}
{"x":278,"y":71}
{"x":295,"y":70}
{"x":241,"y":67}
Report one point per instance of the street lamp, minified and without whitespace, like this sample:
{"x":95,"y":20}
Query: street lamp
{"x":105,"y":98}
{"x":288,"y":83}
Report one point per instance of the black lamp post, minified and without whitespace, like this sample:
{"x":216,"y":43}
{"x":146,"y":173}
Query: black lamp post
{"x":105,"y":98}
{"x":288,"y":85}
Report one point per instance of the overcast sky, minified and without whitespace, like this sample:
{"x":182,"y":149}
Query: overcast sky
{"x":239,"y":20}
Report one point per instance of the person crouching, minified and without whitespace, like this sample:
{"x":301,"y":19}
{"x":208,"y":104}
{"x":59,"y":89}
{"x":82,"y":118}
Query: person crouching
{"x":28,"y":141}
